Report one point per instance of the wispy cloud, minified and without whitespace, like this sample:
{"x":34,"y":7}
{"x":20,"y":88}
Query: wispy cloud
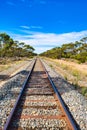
{"x":31,"y":27}
{"x":45,"y":41}
{"x":11,"y":3}
{"x":25,"y":27}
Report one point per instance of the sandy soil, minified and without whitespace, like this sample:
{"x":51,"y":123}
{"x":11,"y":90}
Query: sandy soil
{"x":80,"y":67}
{"x":18,"y":66}
{"x":72,"y":71}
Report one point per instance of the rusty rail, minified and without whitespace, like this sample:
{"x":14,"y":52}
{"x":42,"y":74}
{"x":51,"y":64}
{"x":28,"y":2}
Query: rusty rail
{"x":70,"y":121}
{"x":67,"y":113}
{"x":15,"y":106}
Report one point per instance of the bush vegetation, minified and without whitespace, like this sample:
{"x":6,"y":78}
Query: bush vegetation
{"x":11,"y":48}
{"x":76,"y":50}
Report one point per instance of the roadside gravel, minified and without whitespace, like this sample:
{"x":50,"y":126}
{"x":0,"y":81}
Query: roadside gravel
{"x":13,"y":70}
{"x":76,"y":103}
{"x":10,"y":91}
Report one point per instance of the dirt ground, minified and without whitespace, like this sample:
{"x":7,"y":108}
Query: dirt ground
{"x":71,"y":71}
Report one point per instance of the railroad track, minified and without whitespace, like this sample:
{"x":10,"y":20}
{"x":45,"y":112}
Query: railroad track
{"x":39,"y":105}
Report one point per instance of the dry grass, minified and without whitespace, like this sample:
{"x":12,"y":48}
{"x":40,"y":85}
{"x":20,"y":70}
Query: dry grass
{"x":6,"y":63}
{"x":73,"y":68}
{"x":4,"y":67}
{"x":72,"y":71}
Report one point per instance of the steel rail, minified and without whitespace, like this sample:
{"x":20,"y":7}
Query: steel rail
{"x":66,"y":112}
{"x":18,"y":99}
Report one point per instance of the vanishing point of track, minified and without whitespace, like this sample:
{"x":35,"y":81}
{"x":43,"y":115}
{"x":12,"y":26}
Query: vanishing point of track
{"x":39,"y":105}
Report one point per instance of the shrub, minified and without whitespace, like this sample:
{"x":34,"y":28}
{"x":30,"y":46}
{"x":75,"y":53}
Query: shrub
{"x":84,"y":91}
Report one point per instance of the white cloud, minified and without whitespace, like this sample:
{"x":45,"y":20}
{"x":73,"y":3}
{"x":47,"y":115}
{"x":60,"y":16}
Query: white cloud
{"x":37,"y":27}
{"x":41,"y":49}
{"x":44,"y":41}
{"x":30,"y":27}
{"x":25,"y":27}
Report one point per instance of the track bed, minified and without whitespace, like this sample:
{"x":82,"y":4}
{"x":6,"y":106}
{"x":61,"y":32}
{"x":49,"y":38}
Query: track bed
{"x":39,"y":107}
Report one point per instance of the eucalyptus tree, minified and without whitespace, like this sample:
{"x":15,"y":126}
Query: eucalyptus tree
{"x":5,"y":43}
{"x":84,"y":40}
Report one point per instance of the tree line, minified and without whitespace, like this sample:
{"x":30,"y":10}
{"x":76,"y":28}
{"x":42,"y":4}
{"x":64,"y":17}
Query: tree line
{"x":11,"y":48}
{"x":76,"y":50}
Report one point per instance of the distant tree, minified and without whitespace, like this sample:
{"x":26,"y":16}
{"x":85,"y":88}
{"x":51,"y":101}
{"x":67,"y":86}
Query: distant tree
{"x":78,"y":44}
{"x":76,"y":50}
{"x":84,"y":39}
{"x":11,"y":48}
{"x":4,"y":37}
{"x":29,"y":48}
{"x":21,"y":44}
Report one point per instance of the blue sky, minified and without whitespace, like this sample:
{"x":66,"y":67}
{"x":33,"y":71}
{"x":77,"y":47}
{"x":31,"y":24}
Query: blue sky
{"x":44,"y":24}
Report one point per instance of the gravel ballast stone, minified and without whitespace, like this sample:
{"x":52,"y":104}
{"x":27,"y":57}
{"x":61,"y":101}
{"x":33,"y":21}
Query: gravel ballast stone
{"x":10,"y":91}
{"x":76,"y":102}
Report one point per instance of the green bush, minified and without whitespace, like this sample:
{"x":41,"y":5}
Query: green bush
{"x":84,"y":91}
{"x":82,"y":57}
